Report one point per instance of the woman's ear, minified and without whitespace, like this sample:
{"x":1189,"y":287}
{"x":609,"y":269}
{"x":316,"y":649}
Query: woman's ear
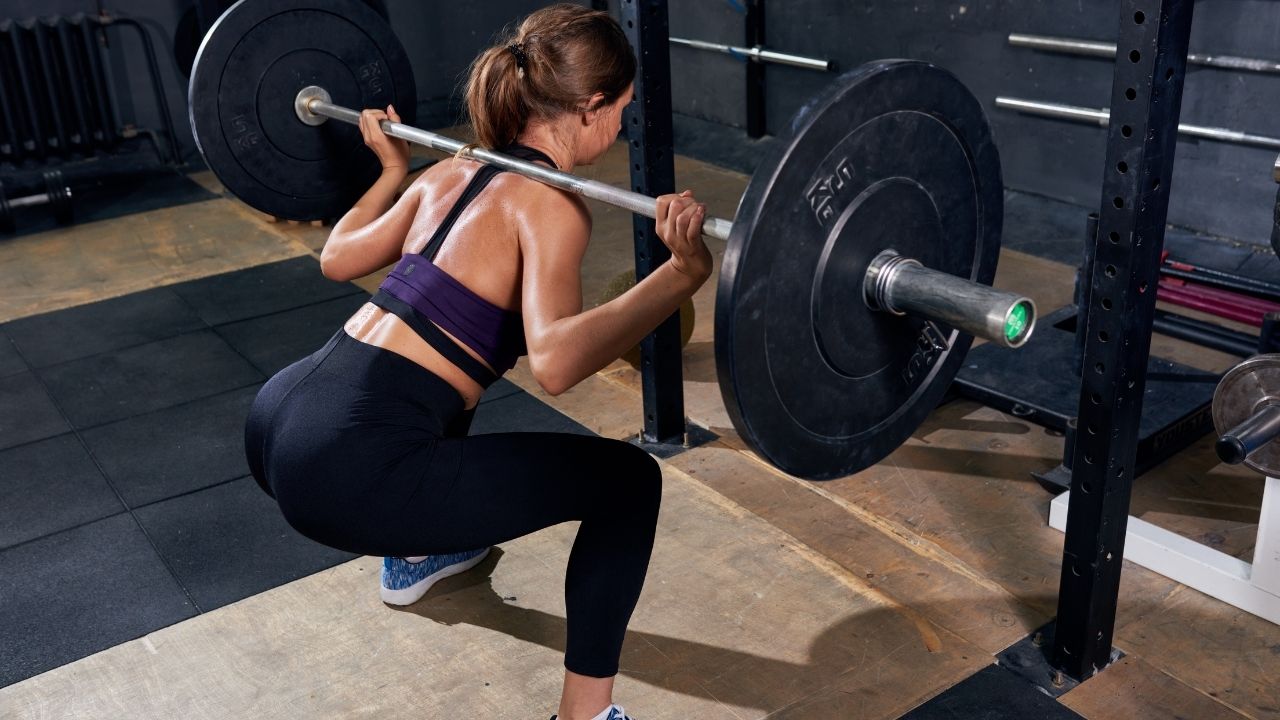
{"x":595,"y":106}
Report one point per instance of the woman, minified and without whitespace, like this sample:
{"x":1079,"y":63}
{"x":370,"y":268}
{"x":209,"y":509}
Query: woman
{"x":364,"y":445}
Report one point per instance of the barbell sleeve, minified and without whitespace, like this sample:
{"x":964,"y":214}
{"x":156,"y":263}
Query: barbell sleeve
{"x":900,"y":285}
{"x":316,"y":101}
{"x":1257,"y":430}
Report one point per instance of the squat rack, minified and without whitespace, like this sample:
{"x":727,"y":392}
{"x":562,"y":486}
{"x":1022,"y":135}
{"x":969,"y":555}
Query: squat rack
{"x":648,"y":124}
{"x":1146,"y":99}
{"x":1153,"y":42}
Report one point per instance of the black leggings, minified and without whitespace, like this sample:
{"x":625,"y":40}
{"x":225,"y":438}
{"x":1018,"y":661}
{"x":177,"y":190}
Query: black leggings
{"x":367,"y":452}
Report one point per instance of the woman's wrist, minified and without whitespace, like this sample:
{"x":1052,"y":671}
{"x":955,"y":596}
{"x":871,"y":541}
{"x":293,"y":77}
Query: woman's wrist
{"x":688,"y":274}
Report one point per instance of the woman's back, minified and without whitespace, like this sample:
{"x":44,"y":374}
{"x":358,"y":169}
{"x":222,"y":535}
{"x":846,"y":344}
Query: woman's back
{"x":482,"y":249}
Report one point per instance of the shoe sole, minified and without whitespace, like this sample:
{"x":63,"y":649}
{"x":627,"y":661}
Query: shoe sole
{"x":414,"y":593}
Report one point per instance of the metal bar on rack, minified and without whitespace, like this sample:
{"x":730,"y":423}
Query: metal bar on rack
{"x":756,"y":53}
{"x":1102,"y":118}
{"x":1221,"y":280}
{"x":1205,"y":334}
{"x":1094,"y":48}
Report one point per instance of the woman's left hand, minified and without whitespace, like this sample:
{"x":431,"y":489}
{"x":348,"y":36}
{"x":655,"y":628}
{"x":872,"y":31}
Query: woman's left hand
{"x":392,"y":152}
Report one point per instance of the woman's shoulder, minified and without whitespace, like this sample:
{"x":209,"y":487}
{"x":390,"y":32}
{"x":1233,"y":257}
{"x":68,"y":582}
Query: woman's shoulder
{"x":535,"y":198}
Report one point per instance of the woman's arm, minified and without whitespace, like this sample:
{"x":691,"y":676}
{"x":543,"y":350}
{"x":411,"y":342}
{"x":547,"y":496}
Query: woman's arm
{"x":371,"y":234}
{"x":566,"y":344}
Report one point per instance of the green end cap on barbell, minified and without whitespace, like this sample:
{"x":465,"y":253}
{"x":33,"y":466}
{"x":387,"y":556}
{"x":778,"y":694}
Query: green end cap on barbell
{"x":1018,"y":321}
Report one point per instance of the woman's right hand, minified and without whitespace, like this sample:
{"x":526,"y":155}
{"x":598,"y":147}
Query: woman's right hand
{"x":393,"y":153}
{"x":679,"y":224}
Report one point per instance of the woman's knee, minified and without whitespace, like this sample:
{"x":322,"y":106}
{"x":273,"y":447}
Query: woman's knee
{"x":641,"y":477}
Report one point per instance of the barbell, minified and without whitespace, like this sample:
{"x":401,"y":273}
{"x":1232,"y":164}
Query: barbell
{"x":857,"y":270}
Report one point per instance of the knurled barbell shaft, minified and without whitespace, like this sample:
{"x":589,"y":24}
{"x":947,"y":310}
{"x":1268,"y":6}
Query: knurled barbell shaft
{"x":961,"y":303}
{"x":604,"y":192}
{"x":1259,"y":429}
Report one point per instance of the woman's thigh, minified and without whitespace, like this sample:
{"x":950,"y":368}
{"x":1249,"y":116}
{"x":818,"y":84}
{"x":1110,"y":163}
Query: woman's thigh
{"x":511,"y":484}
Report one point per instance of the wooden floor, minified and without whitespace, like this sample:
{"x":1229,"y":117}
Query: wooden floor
{"x":768,"y":596}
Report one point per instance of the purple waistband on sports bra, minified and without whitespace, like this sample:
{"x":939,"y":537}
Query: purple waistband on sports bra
{"x":494,"y":333}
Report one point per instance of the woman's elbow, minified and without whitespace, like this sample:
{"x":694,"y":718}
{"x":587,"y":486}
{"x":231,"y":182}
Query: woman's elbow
{"x":332,"y":266}
{"x":552,"y":385}
{"x":549,"y":373}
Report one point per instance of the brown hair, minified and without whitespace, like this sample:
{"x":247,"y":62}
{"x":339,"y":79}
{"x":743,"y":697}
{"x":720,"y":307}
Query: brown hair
{"x":553,"y":63}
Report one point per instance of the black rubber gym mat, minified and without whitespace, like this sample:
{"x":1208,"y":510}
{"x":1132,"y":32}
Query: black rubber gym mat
{"x":272,"y":342}
{"x":143,"y":514}
{"x":499,"y":390}
{"x":522,"y":412}
{"x":11,"y":362}
{"x":992,"y":693}
{"x":230,"y":541}
{"x":115,"y":197}
{"x":27,"y":413}
{"x":261,"y":290}
{"x":48,"y":486}
{"x":102,"y":326}
{"x":176,"y":450}
{"x":119,"y":384}
{"x":76,"y":592}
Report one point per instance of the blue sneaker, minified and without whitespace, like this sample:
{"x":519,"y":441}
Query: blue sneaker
{"x":405,"y":581}
{"x":613,"y":712}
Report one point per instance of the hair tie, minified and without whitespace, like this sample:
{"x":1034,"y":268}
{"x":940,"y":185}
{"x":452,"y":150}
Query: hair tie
{"x":517,"y":51}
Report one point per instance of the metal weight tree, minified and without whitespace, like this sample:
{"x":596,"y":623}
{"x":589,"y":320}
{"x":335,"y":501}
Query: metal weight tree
{"x":648,"y":124}
{"x":1146,"y":101}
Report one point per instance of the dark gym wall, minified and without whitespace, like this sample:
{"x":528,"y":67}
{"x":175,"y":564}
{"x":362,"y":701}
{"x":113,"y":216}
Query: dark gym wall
{"x":442,"y":38}
{"x":1218,"y":188}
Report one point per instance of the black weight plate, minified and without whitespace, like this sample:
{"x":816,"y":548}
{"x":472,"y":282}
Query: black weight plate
{"x":248,"y":72}
{"x":895,"y":155}
{"x":59,"y":195}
